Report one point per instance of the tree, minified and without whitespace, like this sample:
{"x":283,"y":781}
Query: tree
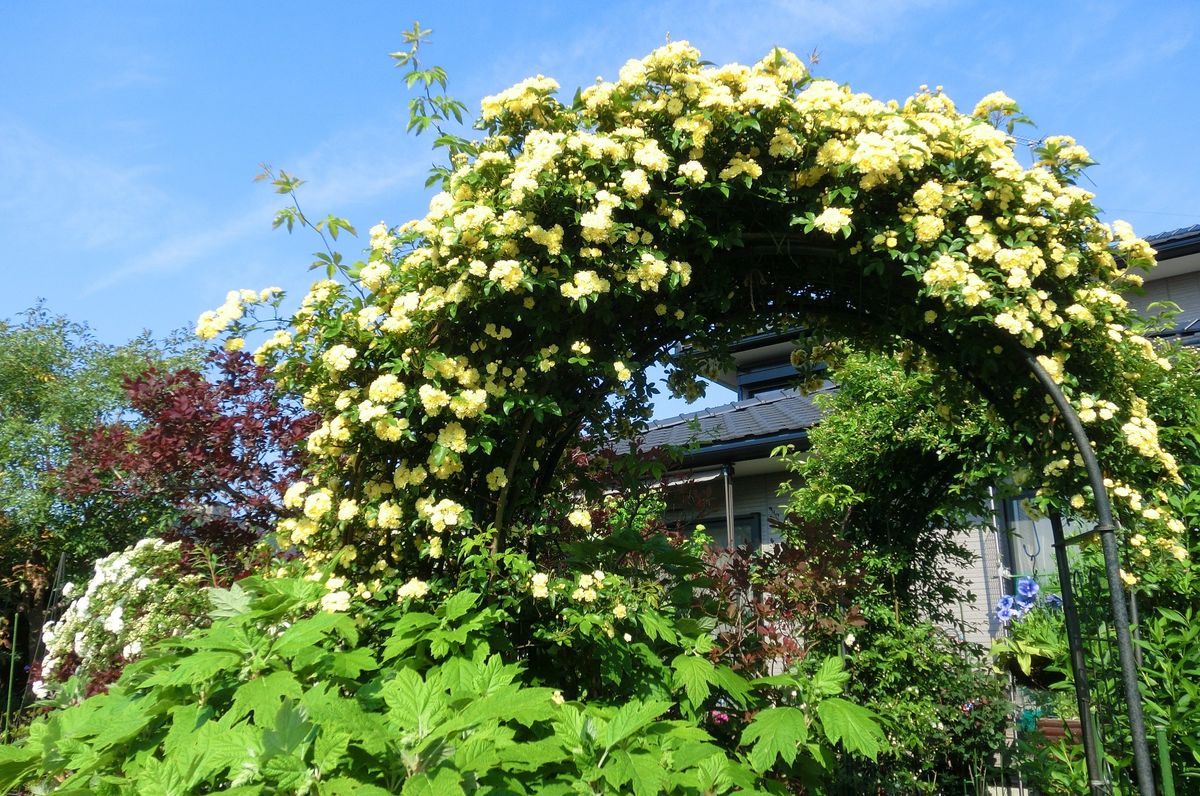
{"x":207,"y":459}
{"x":56,"y":379}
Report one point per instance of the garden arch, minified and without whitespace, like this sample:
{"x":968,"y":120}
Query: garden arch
{"x":578,"y":244}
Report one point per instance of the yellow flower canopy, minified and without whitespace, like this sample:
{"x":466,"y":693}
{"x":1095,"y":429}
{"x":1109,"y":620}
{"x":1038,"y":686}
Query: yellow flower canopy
{"x":576,"y":245}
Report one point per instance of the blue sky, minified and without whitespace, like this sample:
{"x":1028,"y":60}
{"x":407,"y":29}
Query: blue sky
{"x":130,"y":132}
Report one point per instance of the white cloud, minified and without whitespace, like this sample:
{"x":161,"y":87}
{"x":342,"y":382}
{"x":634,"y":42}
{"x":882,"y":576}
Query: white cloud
{"x":93,"y":202}
{"x":345,"y":172}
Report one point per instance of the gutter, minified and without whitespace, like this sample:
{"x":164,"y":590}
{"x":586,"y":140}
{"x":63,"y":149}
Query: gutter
{"x":744,"y":449}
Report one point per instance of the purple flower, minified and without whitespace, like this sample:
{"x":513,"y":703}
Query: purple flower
{"x":1027,"y":589}
{"x":1005,"y":612}
{"x":719,"y":717}
{"x":1053,"y":601}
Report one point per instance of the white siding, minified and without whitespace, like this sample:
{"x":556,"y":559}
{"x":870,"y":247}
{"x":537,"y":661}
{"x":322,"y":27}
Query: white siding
{"x":1183,"y":289}
{"x":983,"y":581}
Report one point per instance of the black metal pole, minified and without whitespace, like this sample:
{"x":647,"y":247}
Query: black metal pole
{"x":1097,"y":784}
{"x":1112,"y":570}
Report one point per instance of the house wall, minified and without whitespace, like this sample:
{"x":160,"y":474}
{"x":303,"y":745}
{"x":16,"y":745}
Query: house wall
{"x":691,"y":503}
{"x":1183,"y":289}
{"x":757,"y":494}
{"x":983,"y":581}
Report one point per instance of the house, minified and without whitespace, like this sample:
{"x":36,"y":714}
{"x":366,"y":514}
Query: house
{"x":728,"y":481}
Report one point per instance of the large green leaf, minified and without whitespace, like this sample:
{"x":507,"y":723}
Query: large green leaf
{"x":406,"y":633}
{"x":630,"y":718}
{"x":287,"y":772}
{"x":261,"y":696}
{"x":290,"y":731}
{"x":458,"y":605}
{"x":351,"y":663}
{"x":775,"y":733}
{"x":195,"y":669}
{"x":17,"y":763}
{"x":309,"y":632}
{"x":637,"y":771}
{"x":831,"y":678}
{"x":345,"y":786}
{"x":444,"y":782}
{"x":853,"y":725}
{"x":233,"y":601}
{"x":694,"y":674}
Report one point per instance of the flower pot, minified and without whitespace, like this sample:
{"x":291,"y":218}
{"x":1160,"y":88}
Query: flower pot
{"x":1055,"y":729}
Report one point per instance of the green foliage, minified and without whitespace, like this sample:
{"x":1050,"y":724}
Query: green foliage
{"x":892,"y":477}
{"x":276,"y":697}
{"x":944,"y":710}
{"x":1168,"y":599}
{"x":467,"y":622}
{"x":56,"y":381}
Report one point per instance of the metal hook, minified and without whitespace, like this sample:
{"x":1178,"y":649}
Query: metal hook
{"x":1033,"y":557}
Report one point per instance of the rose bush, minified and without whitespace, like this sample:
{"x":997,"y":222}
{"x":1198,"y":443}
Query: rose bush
{"x":454,"y":384}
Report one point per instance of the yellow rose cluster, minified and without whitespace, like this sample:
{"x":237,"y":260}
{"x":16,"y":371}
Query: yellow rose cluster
{"x":664,"y":206}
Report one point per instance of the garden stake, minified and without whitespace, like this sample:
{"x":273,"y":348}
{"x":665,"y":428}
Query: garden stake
{"x":1083,"y":696}
{"x":1112,"y":566}
{"x":12,"y":667}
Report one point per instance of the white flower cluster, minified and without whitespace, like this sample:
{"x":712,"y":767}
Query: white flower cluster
{"x":135,"y":597}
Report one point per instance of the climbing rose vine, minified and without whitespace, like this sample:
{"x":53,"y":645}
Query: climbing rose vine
{"x":576,"y":244}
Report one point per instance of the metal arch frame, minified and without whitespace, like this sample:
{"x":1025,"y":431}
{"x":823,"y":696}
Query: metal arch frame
{"x":788,"y":246}
{"x":1116,"y":590}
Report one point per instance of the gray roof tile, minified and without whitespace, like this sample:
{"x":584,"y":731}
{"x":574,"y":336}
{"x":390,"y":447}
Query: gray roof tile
{"x":761,"y":416}
{"x":1184,"y":233}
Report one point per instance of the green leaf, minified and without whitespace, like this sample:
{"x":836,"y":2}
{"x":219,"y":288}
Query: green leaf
{"x":656,"y":626}
{"x":286,"y":772}
{"x":831,"y":678}
{"x":637,"y":771}
{"x":308,"y":632}
{"x":407,"y":696}
{"x":290,"y":732}
{"x":17,"y":763}
{"x":261,"y":696}
{"x":233,"y":601}
{"x":406,"y":633}
{"x":532,"y":755}
{"x":458,"y":605}
{"x":443,"y":783}
{"x":351,"y":663}
{"x":630,"y":718}
{"x":195,"y":669}
{"x":711,"y":774}
{"x":733,"y":684}
{"x":221,"y":749}
{"x":185,"y":721}
{"x":853,"y":725}
{"x":345,"y":786}
{"x":694,"y":674}
{"x":775,"y":732}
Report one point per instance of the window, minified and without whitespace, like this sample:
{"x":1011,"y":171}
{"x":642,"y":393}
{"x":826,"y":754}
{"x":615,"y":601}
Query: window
{"x":1031,"y":541}
{"x":747,"y":530}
